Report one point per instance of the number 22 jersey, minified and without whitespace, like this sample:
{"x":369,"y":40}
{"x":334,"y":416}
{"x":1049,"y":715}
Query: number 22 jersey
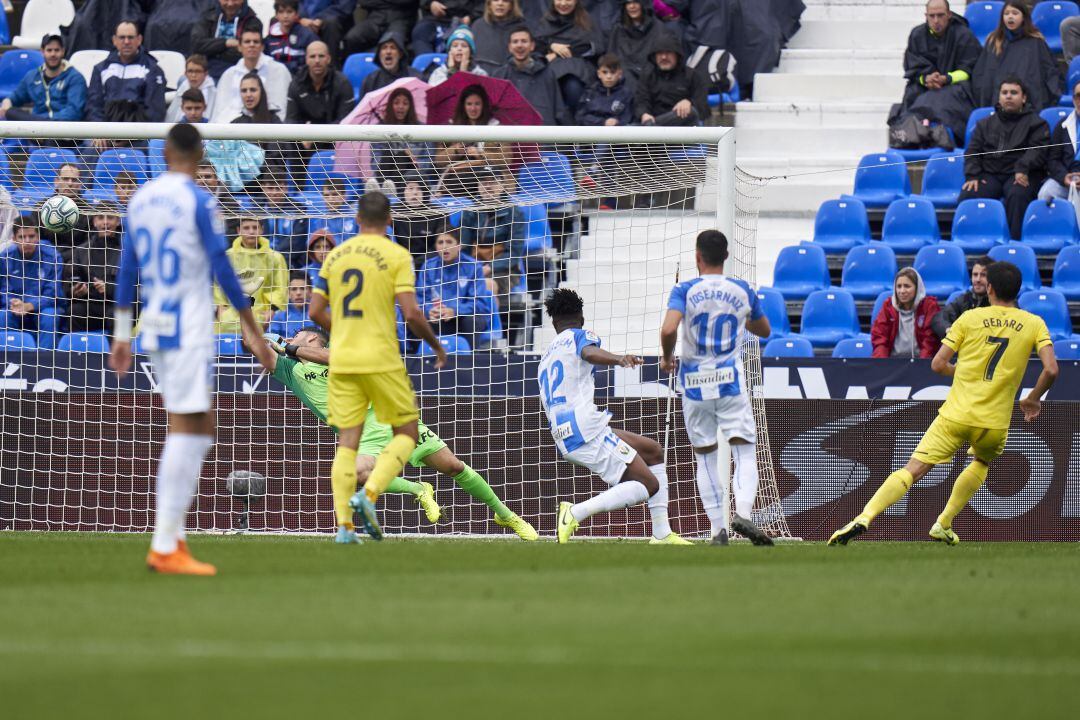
{"x":567,"y":390}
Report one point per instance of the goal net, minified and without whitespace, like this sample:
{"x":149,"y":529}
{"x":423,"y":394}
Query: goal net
{"x":495,"y":217}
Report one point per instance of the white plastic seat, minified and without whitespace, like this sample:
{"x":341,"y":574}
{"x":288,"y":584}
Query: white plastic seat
{"x":41,"y":17}
{"x":85,"y":60}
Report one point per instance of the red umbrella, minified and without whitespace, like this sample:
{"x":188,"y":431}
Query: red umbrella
{"x":508,"y":106}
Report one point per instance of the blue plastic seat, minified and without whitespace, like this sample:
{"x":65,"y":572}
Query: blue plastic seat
{"x":943,"y":269}
{"x":5,"y":30}
{"x":828,"y":317}
{"x":537,"y":230}
{"x":880,"y":303}
{"x":868,"y":270}
{"x":973,"y":119}
{"x":800,"y":270}
{"x":733,"y":95}
{"x":1067,"y":272}
{"x":855,"y":347}
{"x":550,"y":180}
{"x":789,"y":347}
{"x":453,"y":344}
{"x":17,"y":340}
{"x":357,"y":67}
{"x":943,"y":179}
{"x":228,"y":344}
{"x":841,"y":225}
{"x":40,"y":174}
{"x":1067,"y":349}
{"x":110,"y":164}
{"x":775,"y":308}
{"x":1053,"y":308}
{"x":880,"y":179}
{"x":979,"y":224}
{"x":1047,"y":16}
{"x":1048,"y":227}
{"x":87,"y":342}
{"x":910,"y":224}
{"x":1054,"y":115}
{"x":14,"y":64}
{"x":1072,"y":76}
{"x":983,"y":17}
{"x":319,"y":168}
{"x":155,"y":158}
{"x":1022,"y":257}
{"x":425,"y":61}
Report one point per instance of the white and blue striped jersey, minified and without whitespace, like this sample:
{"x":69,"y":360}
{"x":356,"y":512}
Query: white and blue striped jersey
{"x":174,"y":246}
{"x":567,"y":390}
{"x":715,"y":309}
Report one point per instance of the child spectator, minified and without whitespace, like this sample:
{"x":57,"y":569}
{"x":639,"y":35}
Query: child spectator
{"x":283,"y":223}
{"x":319,"y":246}
{"x":460,"y":51}
{"x":258,"y":266}
{"x":196,"y":77}
{"x":193,"y":105}
{"x":94,"y":266}
{"x":332,"y":209}
{"x":904,"y":327}
{"x":289,"y":321}
{"x":608,"y":101}
{"x":31,"y":294}
{"x":124,"y":186}
{"x":453,"y":292}
{"x":287,"y":39}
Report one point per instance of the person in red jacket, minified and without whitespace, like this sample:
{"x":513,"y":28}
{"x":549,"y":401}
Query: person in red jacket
{"x":902,"y":328}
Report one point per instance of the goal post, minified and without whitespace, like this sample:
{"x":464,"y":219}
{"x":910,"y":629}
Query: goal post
{"x":610,"y":212}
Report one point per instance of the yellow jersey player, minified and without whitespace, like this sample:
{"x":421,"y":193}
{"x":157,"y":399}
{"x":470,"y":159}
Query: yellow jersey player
{"x":354,"y":299}
{"x":993,"y":345}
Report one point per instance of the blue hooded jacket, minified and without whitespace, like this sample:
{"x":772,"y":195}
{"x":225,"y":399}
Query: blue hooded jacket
{"x":459,"y":285}
{"x":36,"y":280}
{"x":289,"y":321}
{"x":61,"y":98}
{"x":140,"y":81}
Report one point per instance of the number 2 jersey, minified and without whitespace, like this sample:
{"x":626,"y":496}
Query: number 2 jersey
{"x":992,"y":346}
{"x":567,"y":391}
{"x":715,"y":309}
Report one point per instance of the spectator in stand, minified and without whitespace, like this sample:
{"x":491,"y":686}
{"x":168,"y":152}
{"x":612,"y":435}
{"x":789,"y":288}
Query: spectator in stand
{"x":669,"y":93}
{"x":396,"y":159}
{"x":207,"y":178}
{"x":973,"y":297}
{"x":393,"y":65}
{"x":568,"y":38}
{"x":284,"y":223}
{"x":332,"y":210}
{"x":497,"y":236}
{"x":193,"y":105}
{"x":903,"y":327}
{"x":461,"y":49}
{"x":319,"y":246}
{"x":938,"y":63}
{"x":53,"y":91}
{"x":276,"y":79}
{"x":458,"y":161}
{"x":1063,"y":155}
{"x":529,"y":72}
{"x":276,"y":154}
{"x":31,"y":290}
{"x":383,"y":16}
{"x":293,"y":318}
{"x":437,"y":18}
{"x":329,"y":19}
{"x":196,"y":77}
{"x":1070,"y":37}
{"x":415,"y":224}
{"x":1006,"y":158}
{"x":453,"y":292}
{"x":1017,"y":49}
{"x":608,"y":101}
{"x":287,"y":40}
{"x":319,"y":94}
{"x":630,"y":40}
{"x":69,"y":183}
{"x":93,"y":267}
{"x":253,"y":259}
{"x":124,"y":186}
{"x":491,"y":32}
{"x":128,"y":85}
{"x":216,"y":35}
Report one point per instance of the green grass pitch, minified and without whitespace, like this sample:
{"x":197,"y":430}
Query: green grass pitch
{"x":300,"y":628}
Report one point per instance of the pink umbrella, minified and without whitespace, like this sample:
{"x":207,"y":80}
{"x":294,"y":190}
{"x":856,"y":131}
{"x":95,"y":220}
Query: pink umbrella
{"x":508,"y":106}
{"x":354,"y":158}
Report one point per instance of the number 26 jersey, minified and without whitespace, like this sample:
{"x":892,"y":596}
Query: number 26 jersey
{"x":567,"y":390}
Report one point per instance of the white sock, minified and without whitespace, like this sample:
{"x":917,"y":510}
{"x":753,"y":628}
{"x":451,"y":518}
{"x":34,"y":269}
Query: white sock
{"x":710,"y":489}
{"x":746,"y":478}
{"x":625,"y":494}
{"x":177,"y":480}
{"x":658,"y":503}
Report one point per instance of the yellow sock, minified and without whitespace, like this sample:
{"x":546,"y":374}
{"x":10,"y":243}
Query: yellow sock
{"x":388,"y":465}
{"x":343,"y":482}
{"x":967,"y":484}
{"x":890,"y":491}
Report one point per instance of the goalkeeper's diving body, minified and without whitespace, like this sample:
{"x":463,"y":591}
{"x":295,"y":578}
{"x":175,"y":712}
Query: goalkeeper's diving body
{"x":992,"y":345}
{"x":631,"y":464}
{"x":303,"y":369}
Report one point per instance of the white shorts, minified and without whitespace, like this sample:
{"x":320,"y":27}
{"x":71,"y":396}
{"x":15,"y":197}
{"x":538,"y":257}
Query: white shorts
{"x":185,"y":378}
{"x":607,"y":455}
{"x":732,"y":415}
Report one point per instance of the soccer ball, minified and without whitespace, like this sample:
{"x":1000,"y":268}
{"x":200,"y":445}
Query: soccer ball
{"x":59,"y":214}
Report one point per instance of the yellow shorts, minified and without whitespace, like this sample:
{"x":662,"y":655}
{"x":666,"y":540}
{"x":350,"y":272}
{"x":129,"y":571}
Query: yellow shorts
{"x":390,"y":394}
{"x":944,"y":437}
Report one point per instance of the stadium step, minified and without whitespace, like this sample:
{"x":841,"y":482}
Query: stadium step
{"x":800,"y":185}
{"x":621,"y":269}
{"x":786,"y":115}
{"x":830,"y":61}
{"x":790,"y":87}
{"x":845,"y":10}
{"x":859,"y":34}
{"x":841,"y":141}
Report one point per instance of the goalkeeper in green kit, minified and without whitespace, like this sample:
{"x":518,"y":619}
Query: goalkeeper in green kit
{"x":302,"y":367}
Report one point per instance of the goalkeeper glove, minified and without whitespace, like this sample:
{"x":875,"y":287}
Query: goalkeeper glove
{"x":250,"y":282}
{"x":277,"y":343}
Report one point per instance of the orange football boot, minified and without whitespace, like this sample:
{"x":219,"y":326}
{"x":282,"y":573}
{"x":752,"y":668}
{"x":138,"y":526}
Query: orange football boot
{"x":178,"y":562}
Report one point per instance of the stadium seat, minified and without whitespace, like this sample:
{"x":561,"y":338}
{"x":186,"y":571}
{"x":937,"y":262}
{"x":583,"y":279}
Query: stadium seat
{"x":40,"y":174}
{"x":943,"y":269}
{"x":943,"y":179}
{"x":841,"y":225}
{"x":789,"y":347}
{"x":910,"y":224}
{"x":264,"y":10}
{"x":1067,"y":272}
{"x":880,"y":179}
{"x":1022,"y":257}
{"x":550,"y":180}
{"x":856,"y":347}
{"x":1072,"y":76}
{"x":800,"y":270}
{"x":172,"y":64}
{"x":829,"y":316}
{"x":5,"y":30}
{"x":87,"y":342}
{"x":1048,"y":227}
{"x":155,"y":158}
{"x":228,"y":344}
{"x":775,"y":308}
{"x":41,"y":17}
{"x":880,"y":303}
{"x":868,"y":270}
{"x":538,"y":231}
{"x":1067,"y":349}
{"x":14,"y":64}
{"x":453,"y":344}
{"x":427,"y":62}
{"x":983,"y":17}
{"x":110,"y":164}
{"x":979,"y":224}
{"x":319,"y":167}
{"x":973,"y":119}
{"x":357,"y":67}
{"x":1053,"y":308}
{"x":85,"y":60}
{"x":17,"y":340}
{"x":1047,"y":16}
{"x":1054,"y":115}
{"x":733,"y":95}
